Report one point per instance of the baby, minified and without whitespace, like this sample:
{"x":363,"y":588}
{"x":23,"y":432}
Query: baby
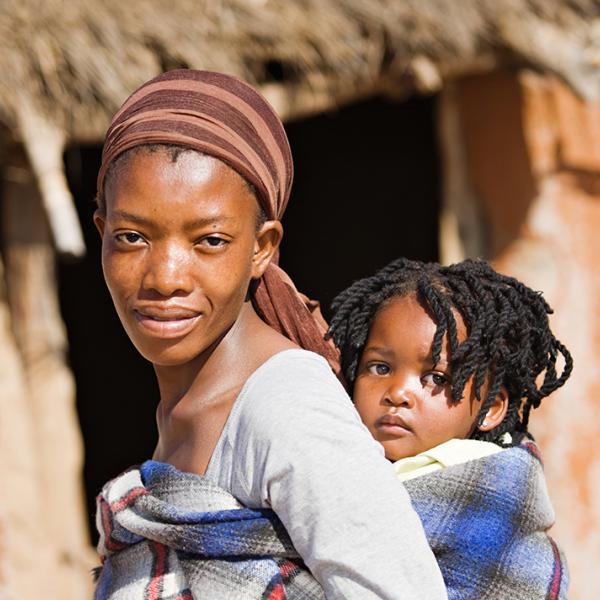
{"x":444,"y":365}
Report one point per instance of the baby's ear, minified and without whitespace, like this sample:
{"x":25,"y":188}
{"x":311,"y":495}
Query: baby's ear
{"x":496,"y":413}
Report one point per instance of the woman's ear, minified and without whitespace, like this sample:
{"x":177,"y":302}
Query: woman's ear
{"x":99,"y":221}
{"x":268,"y":238}
{"x":496,"y":413}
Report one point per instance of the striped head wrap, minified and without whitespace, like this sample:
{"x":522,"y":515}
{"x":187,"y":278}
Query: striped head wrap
{"x":223,"y":117}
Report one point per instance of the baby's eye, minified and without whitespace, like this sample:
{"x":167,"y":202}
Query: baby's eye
{"x":129,"y":237}
{"x":378,"y":369}
{"x":437,"y":379}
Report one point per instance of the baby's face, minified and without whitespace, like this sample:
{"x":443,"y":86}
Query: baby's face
{"x":402,"y":398}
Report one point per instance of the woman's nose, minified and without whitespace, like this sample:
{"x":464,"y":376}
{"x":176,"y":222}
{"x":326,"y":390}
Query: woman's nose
{"x":168,"y":271}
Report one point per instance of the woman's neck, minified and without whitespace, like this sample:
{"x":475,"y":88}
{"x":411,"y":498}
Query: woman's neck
{"x":175,"y":381}
{"x":196,"y":398}
{"x":223,"y":367}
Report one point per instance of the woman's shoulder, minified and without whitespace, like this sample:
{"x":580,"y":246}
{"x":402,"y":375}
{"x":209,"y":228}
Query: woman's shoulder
{"x":292,"y":369}
{"x":290,"y":382}
{"x":291,"y":359}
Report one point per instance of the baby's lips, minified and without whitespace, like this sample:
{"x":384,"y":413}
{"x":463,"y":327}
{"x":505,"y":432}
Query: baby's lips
{"x":394,"y":420}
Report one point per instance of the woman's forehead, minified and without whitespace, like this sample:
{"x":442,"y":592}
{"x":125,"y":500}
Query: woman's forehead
{"x":212,"y":113}
{"x":152,"y":185}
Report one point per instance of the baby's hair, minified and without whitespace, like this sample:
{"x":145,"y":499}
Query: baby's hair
{"x":173,"y":151}
{"x":508,"y":341}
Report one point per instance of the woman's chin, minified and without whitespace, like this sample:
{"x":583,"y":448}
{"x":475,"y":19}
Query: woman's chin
{"x":170,"y":355}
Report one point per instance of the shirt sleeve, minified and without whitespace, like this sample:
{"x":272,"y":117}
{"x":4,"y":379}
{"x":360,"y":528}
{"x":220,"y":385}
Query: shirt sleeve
{"x":303,"y":451}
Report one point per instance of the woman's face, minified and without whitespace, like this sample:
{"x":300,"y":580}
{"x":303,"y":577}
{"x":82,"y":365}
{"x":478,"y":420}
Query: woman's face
{"x":179,"y":248}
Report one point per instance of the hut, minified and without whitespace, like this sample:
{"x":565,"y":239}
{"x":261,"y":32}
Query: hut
{"x":493,"y":104}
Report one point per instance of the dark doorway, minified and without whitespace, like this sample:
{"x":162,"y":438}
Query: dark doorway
{"x":366,"y":191}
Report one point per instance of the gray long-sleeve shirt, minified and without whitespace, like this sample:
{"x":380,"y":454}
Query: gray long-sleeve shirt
{"x":294,"y":442}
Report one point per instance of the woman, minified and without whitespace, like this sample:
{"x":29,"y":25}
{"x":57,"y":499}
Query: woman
{"x":196,"y":174}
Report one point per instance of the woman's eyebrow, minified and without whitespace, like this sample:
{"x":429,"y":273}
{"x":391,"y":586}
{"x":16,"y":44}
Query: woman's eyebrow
{"x":127,"y":216}
{"x":204,"y":221}
{"x":195,"y":224}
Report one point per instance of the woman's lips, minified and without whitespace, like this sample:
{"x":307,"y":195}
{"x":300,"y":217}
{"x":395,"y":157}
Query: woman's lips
{"x":172,"y":323}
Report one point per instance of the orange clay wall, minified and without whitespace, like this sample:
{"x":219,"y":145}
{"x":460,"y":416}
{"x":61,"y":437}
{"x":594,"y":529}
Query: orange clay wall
{"x":532,"y":155}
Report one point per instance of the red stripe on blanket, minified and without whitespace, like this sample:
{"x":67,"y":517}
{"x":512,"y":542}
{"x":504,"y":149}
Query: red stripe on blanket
{"x":287,"y":569}
{"x":154,"y":586}
{"x":185,"y":595}
{"x":532,"y":448}
{"x":125,"y":501}
{"x":110,"y":544}
{"x":277,"y":593}
{"x":106,"y":522}
{"x":554,"y":588}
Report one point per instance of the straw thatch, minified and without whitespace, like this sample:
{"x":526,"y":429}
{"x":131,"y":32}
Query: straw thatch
{"x":68,"y":64}
{"x":77,"y":60}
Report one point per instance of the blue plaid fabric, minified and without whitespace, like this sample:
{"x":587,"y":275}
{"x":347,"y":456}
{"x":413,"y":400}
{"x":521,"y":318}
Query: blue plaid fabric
{"x":486,"y":521}
{"x":168,"y":535}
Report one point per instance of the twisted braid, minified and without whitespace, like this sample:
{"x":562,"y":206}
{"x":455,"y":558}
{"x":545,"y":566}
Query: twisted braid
{"x":509,"y":343}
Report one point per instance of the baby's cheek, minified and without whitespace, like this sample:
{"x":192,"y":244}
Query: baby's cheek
{"x":363,"y":409}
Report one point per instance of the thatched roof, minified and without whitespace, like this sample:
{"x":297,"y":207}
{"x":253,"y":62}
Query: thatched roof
{"x":66,"y":65}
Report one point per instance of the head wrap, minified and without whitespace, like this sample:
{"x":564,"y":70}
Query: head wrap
{"x":224,"y":117}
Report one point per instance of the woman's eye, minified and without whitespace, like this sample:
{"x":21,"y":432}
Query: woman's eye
{"x":378,"y":369}
{"x":129,"y":237}
{"x":212,"y":241}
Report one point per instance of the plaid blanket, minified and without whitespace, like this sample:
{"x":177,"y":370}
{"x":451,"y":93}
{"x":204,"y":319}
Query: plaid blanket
{"x":486,"y":522}
{"x":168,"y":535}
